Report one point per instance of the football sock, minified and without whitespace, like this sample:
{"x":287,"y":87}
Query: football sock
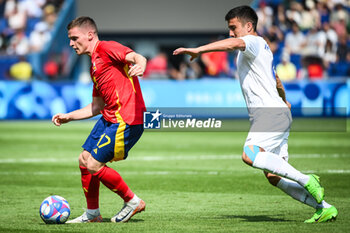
{"x":275,"y":164}
{"x":92,"y":213}
{"x":298,"y":192}
{"x":112,"y":180}
{"x":91,"y":187}
{"x":323,"y":204}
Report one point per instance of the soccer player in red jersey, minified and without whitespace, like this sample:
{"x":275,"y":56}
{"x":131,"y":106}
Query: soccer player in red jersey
{"x":117,"y":95}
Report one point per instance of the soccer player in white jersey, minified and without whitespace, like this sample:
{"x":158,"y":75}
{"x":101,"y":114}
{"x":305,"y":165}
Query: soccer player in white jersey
{"x":266,"y":145}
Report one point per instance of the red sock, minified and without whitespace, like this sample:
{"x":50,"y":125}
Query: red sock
{"x":91,"y":187}
{"x":112,"y":180}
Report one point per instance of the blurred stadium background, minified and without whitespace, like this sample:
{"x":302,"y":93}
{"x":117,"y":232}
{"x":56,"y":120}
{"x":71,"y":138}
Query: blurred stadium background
{"x":41,"y":75}
{"x":192,"y":182}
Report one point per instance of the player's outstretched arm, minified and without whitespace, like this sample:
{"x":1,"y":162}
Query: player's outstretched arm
{"x":229,"y":44}
{"x":90,"y":110}
{"x":139,"y":63}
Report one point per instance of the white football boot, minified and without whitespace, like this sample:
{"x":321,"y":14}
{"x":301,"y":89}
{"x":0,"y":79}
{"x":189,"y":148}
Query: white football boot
{"x":86,"y":217}
{"x":134,"y":206}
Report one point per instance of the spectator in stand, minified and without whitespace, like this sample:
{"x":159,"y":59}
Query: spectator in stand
{"x":330,"y":55}
{"x":2,"y":9}
{"x":281,"y":19}
{"x":21,"y":70}
{"x":194,"y":69}
{"x":180,"y":69}
{"x":39,"y":37}
{"x":56,"y":3}
{"x":157,"y":67}
{"x":265,"y":14}
{"x":19,"y":44}
{"x":216,"y":63}
{"x":343,"y":51}
{"x":340,"y":27}
{"x":324,"y":12}
{"x":176,"y":67}
{"x":313,"y":52}
{"x":315,"y":70}
{"x":50,"y":15}
{"x":34,"y":8}
{"x":274,"y":37}
{"x":331,"y":36}
{"x":294,"y":40}
{"x":339,"y":13}
{"x":315,"y":43}
{"x":310,"y":17}
{"x":286,"y":70}
{"x":316,"y":50}
{"x":339,"y":20}
{"x":294,"y":13}
{"x":15,"y":15}
{"x":52,"y":69}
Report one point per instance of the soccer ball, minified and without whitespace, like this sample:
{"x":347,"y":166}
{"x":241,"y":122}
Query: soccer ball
{"x":54,"y":210}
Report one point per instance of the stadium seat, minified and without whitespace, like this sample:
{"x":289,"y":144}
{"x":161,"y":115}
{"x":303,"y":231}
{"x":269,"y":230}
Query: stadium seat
{"x":296,"y":60}
{"x":5,"y":64}
{"x":340,"y":69}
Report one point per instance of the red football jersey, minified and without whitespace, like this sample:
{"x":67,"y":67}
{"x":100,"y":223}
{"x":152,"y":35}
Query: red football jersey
{"x":120,"y":92}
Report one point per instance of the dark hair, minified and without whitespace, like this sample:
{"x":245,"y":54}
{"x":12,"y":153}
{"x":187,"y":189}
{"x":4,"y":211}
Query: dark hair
{"x":244,"y":14}
{"x":82,"y":21}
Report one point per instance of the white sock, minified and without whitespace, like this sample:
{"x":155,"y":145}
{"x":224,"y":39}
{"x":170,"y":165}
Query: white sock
{"x":323,"y":204}
{"x":298,"y":192}
{"x":92,"y":213}
{"x":275,"y":164}
{"x":135,"y":200}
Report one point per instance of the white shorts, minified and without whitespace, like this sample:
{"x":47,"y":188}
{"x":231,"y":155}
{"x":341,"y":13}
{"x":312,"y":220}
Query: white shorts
{"x":271,"y":132}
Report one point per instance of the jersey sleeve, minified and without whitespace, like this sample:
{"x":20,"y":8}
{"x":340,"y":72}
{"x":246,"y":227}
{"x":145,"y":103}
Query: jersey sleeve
{"x":116,"y":51}
{"x":251,"y":46}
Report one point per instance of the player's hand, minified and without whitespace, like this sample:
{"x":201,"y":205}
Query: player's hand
{"x":60,"y":119}
{"x":136,"y":70}
{"x":289,"y":105}
{"x":189,"y":51}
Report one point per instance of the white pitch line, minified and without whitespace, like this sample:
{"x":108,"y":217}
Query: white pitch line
{"x":37,"y":160}
{"x":158,"y":173}
{"x":165,"y":158}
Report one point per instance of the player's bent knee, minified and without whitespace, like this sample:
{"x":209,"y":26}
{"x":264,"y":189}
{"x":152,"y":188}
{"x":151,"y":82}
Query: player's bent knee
{"x":93,"y":166}
{"x":246,"y":159}
{"x":83,"y":158}
{"x":82,"y":162}
{"x":273,"y":179}
{"x":250,"y":153}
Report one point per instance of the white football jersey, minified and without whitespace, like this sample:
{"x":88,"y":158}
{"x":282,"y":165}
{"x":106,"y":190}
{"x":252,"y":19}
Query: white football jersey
{"x":257,"y":76}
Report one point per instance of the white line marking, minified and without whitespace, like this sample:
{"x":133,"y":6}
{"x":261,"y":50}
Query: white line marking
{"x":160,"y":173}
{"x":167,"y":158}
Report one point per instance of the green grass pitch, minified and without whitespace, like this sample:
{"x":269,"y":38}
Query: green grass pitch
{"x":190,"y":181}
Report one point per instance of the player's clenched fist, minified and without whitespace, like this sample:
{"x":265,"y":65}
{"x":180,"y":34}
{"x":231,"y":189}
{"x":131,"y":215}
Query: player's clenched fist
{"x":60,"y":119}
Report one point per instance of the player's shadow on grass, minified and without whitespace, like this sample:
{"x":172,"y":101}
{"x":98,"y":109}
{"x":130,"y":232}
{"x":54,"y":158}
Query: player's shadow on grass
{"x":130,"y":221}
{"x":256,"y":218}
